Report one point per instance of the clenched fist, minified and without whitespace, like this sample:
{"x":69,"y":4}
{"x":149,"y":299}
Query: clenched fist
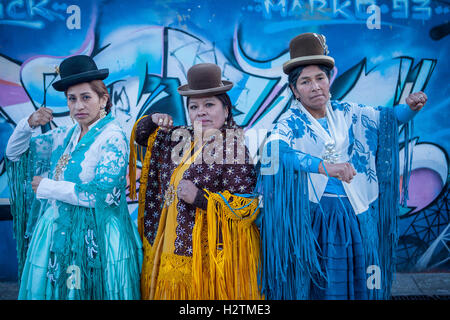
{"x":416,"y":100}
{"x":343,"y":171}
{"x":187,"y":191}
{"x":40,"y":117}
{"x":164,"y":121}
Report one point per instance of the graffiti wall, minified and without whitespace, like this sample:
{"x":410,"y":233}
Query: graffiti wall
{"x":384,"y":50}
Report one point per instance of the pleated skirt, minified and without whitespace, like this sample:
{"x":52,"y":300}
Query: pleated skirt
{"x":341,"y":251}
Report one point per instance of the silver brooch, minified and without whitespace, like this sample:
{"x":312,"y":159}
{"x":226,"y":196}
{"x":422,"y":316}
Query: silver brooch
{"x":330,"y":155}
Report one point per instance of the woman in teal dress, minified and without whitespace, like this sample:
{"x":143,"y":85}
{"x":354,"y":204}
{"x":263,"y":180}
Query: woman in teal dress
{"x":75,"y":237}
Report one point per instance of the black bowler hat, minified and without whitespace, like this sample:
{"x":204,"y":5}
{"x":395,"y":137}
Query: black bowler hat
{"x":78,"y":69}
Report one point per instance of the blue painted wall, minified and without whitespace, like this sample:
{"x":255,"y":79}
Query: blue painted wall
{"x":149,"y":45}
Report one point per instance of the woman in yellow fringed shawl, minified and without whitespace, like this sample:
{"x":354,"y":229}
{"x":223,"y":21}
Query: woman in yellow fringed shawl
{"x":196,"y":203}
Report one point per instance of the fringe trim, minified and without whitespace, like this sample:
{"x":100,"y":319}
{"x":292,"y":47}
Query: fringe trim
{"x":389,"y":197}
{"x":174,"y":279}
{"x":289,"y":249}
{"x":17,"y":177}
{"x":147,"y":266}
{"x":133,"y":156}
{"x":233,"y":258}
{"x":225,"y":269}
{"x":144,"y":173}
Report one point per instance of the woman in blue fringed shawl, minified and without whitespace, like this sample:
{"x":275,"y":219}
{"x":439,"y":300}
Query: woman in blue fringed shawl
{"x":334,"y":188}
{"x":75,"y":237}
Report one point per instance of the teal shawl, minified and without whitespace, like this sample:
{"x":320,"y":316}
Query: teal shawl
{"x":78,"y":232}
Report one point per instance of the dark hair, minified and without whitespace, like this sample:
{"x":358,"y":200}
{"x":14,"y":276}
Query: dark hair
{"x":99,"y":87}
{"x":226,"y":101}
{"x":295,"y":73}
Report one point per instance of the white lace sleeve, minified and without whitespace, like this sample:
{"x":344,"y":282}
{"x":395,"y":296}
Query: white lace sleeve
{"x":19,"y":142}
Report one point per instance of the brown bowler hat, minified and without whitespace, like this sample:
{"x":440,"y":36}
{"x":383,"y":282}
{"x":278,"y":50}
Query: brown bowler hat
{"x":306,"y":49}
{"x":204,"y":79}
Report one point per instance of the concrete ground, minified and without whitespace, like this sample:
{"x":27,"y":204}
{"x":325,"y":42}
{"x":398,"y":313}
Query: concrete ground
{"x":433,"y":285}
{"x":8,"y":290}
{"x":406,"y":286}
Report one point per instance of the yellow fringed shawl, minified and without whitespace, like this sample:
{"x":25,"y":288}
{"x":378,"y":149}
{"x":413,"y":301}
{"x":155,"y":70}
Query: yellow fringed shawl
{"x":232,"y":249}
{"x":225,"y":245}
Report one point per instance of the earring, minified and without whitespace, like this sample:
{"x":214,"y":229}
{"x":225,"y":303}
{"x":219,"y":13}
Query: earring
{"x":71,"y":118}
{"x":102,"y":112}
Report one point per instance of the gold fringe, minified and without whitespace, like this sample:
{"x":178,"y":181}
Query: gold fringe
{"x":132,"y":162}
{"x":221,"y":267}
{"x":174,"y":279}
{"x":148,"y":250}
{"x":144,"y":173}
{"x":146,"y":272}
{"x":233,"y":263}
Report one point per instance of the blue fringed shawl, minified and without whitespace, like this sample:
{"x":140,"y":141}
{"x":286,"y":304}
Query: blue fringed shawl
{"x":289,"y":252}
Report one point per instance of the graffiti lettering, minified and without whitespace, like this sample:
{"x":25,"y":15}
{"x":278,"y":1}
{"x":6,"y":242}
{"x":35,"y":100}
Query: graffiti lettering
{"x":321,"y":6}
{"x":340,"y":10}
{"x":401,"y":9}
{"x":422,"y":11}
{"x":23,"y":13}
{"x":270,"y":6}
{"x":361,"y":8}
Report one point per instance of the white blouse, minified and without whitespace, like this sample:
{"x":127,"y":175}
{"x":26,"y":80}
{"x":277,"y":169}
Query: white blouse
{"x":64,"y":191}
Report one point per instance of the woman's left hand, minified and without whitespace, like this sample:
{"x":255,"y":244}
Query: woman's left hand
{"x":35,"y":183}
{"x":416,"y":100}
{"x":187,"y":191}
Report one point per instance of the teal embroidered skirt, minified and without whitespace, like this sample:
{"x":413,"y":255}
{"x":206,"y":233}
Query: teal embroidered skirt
{"x":119,"y":282}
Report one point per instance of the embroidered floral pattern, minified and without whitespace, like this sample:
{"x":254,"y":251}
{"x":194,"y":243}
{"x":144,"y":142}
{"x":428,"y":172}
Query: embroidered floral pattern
{"x":113,"y":198}
{"x":371,"y":133}
{"x":341,"y":106}
{"x":297,"y":127}
{"x":360,"y":156}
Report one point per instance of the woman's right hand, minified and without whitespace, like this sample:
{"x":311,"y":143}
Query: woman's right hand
{"x":343,"y":171}
{"x":35,"y":183}
{"x":40,"y":117}
{"x":164,"y":121}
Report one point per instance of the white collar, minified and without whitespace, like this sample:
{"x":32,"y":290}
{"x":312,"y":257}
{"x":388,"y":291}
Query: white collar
{"x":93,"y":124}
